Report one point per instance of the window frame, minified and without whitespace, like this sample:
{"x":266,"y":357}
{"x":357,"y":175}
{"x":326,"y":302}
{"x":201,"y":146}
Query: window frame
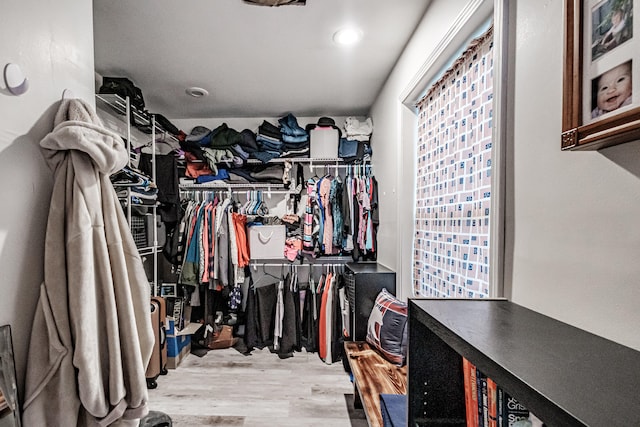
{"x":475,"y":14}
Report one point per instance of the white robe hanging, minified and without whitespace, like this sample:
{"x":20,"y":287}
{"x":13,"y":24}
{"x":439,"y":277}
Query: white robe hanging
{"x":91,"y":337}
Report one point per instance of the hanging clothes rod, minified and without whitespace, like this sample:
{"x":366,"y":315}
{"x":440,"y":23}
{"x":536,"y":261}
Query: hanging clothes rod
{"x":224,"y":190}
{"x":255,"y":264}
{"x":247,"y":186}
{"x":299,"y":160}
{"x":327,"y":165}
{"x":331,"y":263}
{"x":234,"y":189}
{"x":360,"y":168}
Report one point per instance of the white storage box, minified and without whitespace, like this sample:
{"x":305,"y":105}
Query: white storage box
{"x":267,"y":241}
{"x":324,"y":142}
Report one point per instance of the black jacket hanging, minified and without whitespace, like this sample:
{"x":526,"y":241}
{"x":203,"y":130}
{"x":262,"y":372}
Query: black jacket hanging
{"x":307,"y":323}
{"x":167,"y":182}
{"x":252,"y":328}
{"x":266,"y":298}
{"x":288,"y":343}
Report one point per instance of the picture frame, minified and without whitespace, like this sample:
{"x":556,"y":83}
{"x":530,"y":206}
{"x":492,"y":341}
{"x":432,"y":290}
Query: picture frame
{"x":168,"y":290}
{"x":601,"y":63}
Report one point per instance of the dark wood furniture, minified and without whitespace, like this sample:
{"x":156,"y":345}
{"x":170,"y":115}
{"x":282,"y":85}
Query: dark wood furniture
{"x":564,"y":375}
{"x":364,"y":282}
{"x":373,"y":375}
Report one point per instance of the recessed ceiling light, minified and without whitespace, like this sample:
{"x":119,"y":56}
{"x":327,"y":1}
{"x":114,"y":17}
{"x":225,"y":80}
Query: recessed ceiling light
{"x":347,"y":36}
{"x":196,"y":92}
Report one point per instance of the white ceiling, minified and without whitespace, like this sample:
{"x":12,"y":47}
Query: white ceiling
{"x":255,"y":61}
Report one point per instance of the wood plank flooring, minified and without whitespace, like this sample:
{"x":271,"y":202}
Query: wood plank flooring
{"x":228,"y":388}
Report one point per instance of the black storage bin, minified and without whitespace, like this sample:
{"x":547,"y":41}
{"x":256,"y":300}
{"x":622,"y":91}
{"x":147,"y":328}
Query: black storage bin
{"x":142,"y":230}
{"x":364,"y":281}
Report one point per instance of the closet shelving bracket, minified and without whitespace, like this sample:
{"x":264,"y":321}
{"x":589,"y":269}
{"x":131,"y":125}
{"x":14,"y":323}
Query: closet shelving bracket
{"x":123,"y":107}
{"x":119,"y":105}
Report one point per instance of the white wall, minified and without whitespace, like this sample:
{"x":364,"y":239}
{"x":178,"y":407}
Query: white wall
{"x":576,"y":238}
{"x":395,"y":132}
{"x":52,"y":41}
{"x":572,"y":234}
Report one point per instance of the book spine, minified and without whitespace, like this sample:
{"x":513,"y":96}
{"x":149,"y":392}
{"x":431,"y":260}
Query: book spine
{"x":514,"y":411}
{"x":479,"y":394}
{"x":485,"y":401}
{"x":492,"y":402}
{"x":470,"y":393}
{"x":500,"y":408}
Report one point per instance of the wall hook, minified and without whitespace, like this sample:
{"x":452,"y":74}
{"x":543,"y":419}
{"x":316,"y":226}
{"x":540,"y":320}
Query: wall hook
{"x":15,"y":80}
{"x":68,"y":94}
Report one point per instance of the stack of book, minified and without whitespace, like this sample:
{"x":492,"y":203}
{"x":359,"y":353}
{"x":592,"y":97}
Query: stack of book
{"x":487,"y":404}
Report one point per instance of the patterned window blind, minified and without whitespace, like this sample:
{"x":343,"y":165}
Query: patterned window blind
{"x":453,"y":185}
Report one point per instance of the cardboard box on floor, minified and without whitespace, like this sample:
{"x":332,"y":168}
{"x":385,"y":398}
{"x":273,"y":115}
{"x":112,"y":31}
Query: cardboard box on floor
{"x":221,"y":338}
{"x":178,"y":342}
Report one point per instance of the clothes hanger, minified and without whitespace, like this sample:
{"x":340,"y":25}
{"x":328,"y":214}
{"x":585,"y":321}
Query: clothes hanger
{"x":245,"y":207}
{"x":251,"y":202}
{"x":295,"y":279}
{"x":327,"y":171}
{"x":337,"y":174}
{"x":289,"y":277}
{"x":314,"y":171}
{"x":323,"y":280}
{"x":265,"y":277}
{"x":254,"y":202}
{"x":257,"y":201}
{"x":312,"y":283}
{"x":236,"y":203}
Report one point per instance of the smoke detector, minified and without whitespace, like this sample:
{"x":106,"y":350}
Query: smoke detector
{"x":196,"y":92}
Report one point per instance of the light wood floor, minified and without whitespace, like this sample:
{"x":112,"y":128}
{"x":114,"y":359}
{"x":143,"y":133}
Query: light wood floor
{"x":227,"y":388}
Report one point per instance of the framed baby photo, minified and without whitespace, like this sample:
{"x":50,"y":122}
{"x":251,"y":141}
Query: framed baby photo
{"x":602,"y":66}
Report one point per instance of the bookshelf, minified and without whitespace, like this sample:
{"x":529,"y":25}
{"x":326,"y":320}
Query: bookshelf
{"x":564,"y":375}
